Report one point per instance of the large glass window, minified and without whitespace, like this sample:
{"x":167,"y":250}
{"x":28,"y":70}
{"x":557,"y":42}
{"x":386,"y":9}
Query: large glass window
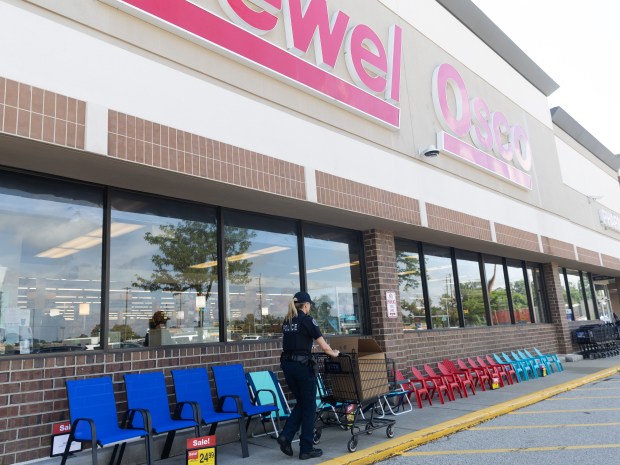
{"x":518,"y":292}
{"x":334,"y":278}
{"x":262,"y":274}
{"x":535,"y":279}
{"x":470,"y":286}
{"x":496,"y":288}
{"x":441,"y":295}
{"x":163,"y":257}
{"x":576,"y":295}
{"x":603,"y":301}
{"x":410,"y":286}
{"x":50,"y":265}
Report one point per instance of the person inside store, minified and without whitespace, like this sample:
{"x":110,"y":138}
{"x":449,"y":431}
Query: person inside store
{"x":157,"y":321}
{"x":299,"y":330}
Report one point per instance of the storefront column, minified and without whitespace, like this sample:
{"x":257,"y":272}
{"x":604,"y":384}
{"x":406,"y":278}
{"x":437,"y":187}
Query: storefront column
{"x":557,"y":308}
{"x":614,"y":296}
{"x":380,"y":254}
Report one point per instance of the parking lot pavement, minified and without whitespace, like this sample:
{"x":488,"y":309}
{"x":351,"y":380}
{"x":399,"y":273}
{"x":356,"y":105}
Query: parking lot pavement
{"x":578,"y":427}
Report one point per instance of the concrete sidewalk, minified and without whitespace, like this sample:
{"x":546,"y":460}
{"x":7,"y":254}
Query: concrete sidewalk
{"x":422,"y":425}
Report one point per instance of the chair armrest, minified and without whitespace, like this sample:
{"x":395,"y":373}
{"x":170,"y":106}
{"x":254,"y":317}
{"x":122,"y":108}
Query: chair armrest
{"x":273,"y":396}
{"x":196,"y":413}
{"x":91,"y":424}
{"x":127,"y":422}
{"x":238,"y":404}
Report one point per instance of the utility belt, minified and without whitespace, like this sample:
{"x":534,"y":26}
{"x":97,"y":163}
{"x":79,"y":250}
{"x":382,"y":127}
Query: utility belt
{"x":303,"y":359}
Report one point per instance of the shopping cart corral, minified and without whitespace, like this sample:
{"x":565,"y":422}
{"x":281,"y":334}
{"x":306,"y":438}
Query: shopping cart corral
{"x":597,"y":341}
{"x":353,"y":385}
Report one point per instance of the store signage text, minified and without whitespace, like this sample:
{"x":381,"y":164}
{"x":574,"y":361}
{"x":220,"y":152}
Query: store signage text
{"x":498,"y":146}
{"x":609,"y":220}
{"x":373,"y":63}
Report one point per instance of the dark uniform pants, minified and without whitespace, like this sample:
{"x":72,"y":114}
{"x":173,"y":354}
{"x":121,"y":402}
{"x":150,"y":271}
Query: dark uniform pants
{"x":301,"y":380}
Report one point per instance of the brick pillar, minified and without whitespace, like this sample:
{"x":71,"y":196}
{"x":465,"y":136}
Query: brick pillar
{"x":614,"y":296}
{"x":556,"y":307}
{"x":380,"y":257}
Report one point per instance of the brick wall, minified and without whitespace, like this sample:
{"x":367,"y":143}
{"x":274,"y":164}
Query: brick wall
{"x":381,"y":277}
{"x":555,"y":297}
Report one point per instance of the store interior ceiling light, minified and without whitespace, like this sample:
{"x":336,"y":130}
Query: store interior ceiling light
{"x":88,"y":240}
{"x":243,"y":256}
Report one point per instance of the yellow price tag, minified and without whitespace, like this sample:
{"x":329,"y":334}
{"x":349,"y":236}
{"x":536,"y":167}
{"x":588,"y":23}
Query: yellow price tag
{"x":204,"y":456}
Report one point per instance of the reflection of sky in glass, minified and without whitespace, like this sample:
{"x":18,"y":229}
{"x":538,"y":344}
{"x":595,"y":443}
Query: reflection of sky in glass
{"x":45,"y":292}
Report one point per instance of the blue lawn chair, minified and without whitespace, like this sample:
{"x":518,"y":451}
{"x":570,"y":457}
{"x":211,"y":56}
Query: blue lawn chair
{"x":231,"y":384}
{"x":262,"y":384}
{"x":552,"y":358}
{"x":92,"y":409}
{"x":516,"y":367}
{"x":540,"y":361}
{"x":148,"y":391}
{"x":191,"y":387}
{"x":527,"y":368}
{"x":532,"y":364}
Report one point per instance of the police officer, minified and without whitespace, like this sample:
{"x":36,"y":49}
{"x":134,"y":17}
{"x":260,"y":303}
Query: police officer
{"x":299,"y":330}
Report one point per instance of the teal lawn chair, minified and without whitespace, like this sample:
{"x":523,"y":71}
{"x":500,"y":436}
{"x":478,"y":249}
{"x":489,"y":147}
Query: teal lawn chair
{"x":263,"y":384}
{"x":541,"y":361}
{"x":516,"y":367}
{"x":552,"y":358}
{"x":532,"y":365}
{"x":92,"y":409}
{"x":191,"y":388}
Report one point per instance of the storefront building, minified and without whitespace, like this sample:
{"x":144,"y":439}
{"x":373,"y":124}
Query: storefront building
{"x":208,"y":159}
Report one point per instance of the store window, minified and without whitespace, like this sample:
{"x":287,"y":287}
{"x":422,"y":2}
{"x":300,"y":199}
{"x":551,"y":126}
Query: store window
{"x":470,"y":286}
{"x":334,"y":278}
{"x":496,"y":289}
{"x":603,"y":300}
{"x":412,"y":304}
{"x":537,"y":292}
{"x":440,"y":282}
{"x":163,"y":272}
{"x":577,"y":299}
{"x":518,"y":292}
{"x":50,"y":265}
{"x":262,"y":274}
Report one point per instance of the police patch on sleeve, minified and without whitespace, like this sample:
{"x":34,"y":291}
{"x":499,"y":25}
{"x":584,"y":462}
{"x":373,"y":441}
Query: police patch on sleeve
{"x":314,"y":322}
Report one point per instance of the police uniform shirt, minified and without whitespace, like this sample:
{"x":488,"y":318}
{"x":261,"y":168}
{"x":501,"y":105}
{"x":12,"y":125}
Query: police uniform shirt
{"x":299,"y":333}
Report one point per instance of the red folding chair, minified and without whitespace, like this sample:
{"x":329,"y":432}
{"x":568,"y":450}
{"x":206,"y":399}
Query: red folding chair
{"x":503,"y":371}
{"x":413,"y":387}
{"x":464,"y":376}
{"x":448,"y":381}
{"x":478,"y":374}
{"x":433,"y":384}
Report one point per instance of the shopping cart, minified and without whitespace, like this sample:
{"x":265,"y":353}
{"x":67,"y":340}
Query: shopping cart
{"x":353,"y":386}
{"x":597,"y":341}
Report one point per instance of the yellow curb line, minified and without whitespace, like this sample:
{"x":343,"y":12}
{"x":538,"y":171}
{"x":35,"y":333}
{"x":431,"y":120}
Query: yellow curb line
{"x":398,"y":445}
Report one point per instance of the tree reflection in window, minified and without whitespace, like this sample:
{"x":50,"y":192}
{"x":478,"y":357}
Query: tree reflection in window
{"x":187,"y":258}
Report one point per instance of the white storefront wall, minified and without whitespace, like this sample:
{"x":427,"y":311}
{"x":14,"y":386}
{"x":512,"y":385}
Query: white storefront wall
{"x":60,"y":57}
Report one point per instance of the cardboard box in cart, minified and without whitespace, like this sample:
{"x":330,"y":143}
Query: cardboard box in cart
{"x":368,"y":370}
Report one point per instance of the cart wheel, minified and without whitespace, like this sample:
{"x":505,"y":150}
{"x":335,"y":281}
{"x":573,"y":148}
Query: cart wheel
{"x":316,"y":437}
{"x":389,"y":431}
{"x":352,"y":444}
{"x":369,"y":428}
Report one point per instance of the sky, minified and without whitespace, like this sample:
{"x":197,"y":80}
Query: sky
{"x":576,"y":42}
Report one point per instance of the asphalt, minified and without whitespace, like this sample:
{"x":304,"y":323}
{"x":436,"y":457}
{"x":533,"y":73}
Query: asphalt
{"x":421,"y":425}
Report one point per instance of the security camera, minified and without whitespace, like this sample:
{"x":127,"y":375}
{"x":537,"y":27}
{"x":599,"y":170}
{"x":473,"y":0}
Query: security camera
{"x":430,"y":151}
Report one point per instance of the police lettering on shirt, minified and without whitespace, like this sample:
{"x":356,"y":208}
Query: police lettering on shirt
{"x":290,"y":328}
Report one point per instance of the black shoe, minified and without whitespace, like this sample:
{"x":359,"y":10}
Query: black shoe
{"x":285,"y":446}
{"x":314,"y":453}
